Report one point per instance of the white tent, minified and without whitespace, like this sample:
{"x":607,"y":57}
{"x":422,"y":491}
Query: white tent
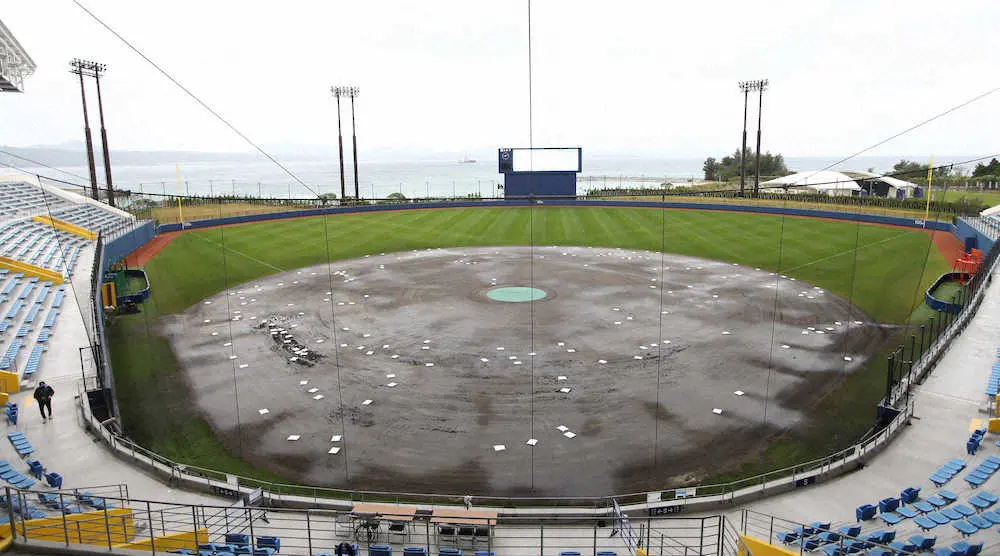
{"x":824,"y":182}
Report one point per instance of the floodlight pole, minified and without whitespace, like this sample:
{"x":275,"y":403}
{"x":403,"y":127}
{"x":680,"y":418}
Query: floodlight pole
{"x":353,"y":92}
{"x":98,"y":70}
{"x":337,"y":91}
{"x":79,"y":67}
{"x":745,"y":86}
{"x":761,"y":86}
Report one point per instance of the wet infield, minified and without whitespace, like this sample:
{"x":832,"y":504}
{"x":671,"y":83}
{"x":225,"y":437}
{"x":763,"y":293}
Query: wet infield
{"x":400,"y":372}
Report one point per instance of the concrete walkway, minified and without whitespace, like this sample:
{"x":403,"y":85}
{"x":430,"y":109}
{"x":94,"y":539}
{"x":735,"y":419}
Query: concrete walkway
{"x":948,"y":406}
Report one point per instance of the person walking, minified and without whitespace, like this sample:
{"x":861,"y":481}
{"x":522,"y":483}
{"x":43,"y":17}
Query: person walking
{"x":43,"y":395}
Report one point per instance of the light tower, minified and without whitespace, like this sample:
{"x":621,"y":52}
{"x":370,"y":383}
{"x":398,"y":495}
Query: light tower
{"x":337,"y":92}
{"x":81,"y":68}
{"x":97,"y":70}
{"x":353,"y":92}
{"x":761,"y":87}
{"x":746,"y":87}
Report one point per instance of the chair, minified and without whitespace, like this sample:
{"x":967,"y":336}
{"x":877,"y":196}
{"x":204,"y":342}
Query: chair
{"x":237,"y":539}
{"x":923,"y":506}
{"x":979,"y":503}
{"x":414,"y":551}
{"x":447,"y":533}
{"x":849,"y":530}
{"x":909,"y":495}
{"x":569,"y":553}
{"x":379,"y":550}
{"x":400,"y":529}
{"x":980,"y":522}
{"x":903,"y":546}
{"x":906,"y":512}
{"x":35,"y":468}
{"x":449,"y":552}
{"x":888,"y":505}
{"x":865,"y":512}
{"x":988,"y":496}
{"x":54,"y":479}
{"x":964,"y":528}
{"x":992,"y":517}
{"x":964,"y":510}
{"x":482,"y":534}
{"x":948,"y":495}
{"x":936,"y":501}
{"x":925,"y":523}
{"x":890,"y":518}
{"x":467,"y":536}
{"x":786,"y":537}
{"x":827,"y":537}
{"x":923,"y":542}
{"x":273,"y":543}
{"x":951,"y":514}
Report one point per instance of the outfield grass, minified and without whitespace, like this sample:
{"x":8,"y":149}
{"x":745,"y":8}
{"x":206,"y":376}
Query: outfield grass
{"x":885,"y":276}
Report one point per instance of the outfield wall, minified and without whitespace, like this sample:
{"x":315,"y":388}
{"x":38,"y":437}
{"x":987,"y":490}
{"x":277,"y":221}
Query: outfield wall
{"x":117,"y":248}
{"x":969,"y":234}
{"x":778,"y":211}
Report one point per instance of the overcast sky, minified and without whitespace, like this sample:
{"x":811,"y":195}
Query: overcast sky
{"x":654,"y":78}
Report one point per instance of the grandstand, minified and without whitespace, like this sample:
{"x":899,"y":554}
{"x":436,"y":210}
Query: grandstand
{"x":37,"y":263}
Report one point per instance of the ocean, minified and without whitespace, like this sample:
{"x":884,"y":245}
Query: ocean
{"x":432,"y":178}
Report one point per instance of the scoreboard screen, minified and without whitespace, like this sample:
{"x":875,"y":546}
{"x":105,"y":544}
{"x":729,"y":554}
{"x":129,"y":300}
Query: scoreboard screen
{"x":541,"y":160}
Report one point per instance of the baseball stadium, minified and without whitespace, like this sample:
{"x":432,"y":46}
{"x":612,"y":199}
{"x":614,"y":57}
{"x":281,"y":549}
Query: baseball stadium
{"x":798,"y":368}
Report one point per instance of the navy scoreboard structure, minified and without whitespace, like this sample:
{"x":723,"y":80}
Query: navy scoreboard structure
{"x":540,"y":172}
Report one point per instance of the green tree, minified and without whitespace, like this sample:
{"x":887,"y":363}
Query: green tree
{"x":991,"y":169}
{"x":905,"y":169}
{"x":711,"y":169}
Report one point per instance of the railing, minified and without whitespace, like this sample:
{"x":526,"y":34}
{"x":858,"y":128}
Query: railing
{"x":673,"y":500}
{"x":764,"y":527}
{"x":910,"y":364}
{"x":120,"y":522}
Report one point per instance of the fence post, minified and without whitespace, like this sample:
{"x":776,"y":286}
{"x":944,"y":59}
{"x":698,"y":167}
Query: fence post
{"x":250,"y":514}
{"x":194,"y":526}
{"x":427,"y":530}
{"x":107,"y":526}
{"x":65,"y":525}
{"x":24,"y":529}
{"x":10,"y":511}
{"x":701,"y":537}
{"x":309,"y":536}
{"x":541,"y":538}
{"x":149,"y":517}
{"x":595,"y":538}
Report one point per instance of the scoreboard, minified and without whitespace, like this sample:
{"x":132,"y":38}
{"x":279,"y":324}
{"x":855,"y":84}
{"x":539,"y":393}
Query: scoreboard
{"x":540,"y":172}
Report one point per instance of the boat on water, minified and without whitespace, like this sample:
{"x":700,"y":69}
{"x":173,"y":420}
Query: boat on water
{"x":466,"y":160}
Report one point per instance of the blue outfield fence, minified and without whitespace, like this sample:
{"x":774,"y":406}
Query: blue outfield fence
{"x":778,"y":211}
{"x":128,"y":242}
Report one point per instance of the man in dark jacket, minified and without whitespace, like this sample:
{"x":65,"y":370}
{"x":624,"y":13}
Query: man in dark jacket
{"x":43,"y":395}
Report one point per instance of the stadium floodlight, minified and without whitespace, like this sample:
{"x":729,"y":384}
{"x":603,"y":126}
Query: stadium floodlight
{"x":97,"y":69}
{"x":337,"y":93}
{"x":86,"y":68}
{"x":746,"y":87}
{"x":761,"y":86}
{"x":351,"y":93}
